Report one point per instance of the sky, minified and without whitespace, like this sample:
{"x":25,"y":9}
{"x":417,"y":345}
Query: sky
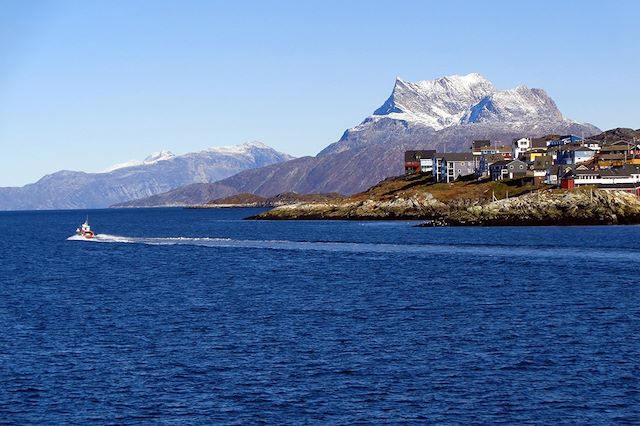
{"x":84,"y":85}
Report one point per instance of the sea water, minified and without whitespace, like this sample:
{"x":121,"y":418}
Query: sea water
{"x":197,"y":316}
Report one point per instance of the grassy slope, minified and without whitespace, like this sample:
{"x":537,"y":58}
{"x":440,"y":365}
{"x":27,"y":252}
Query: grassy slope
{"x":415,"y":184}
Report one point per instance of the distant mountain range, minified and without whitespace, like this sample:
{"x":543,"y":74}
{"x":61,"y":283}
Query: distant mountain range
{"x":158,"y":173}
{"x":445,"y":114}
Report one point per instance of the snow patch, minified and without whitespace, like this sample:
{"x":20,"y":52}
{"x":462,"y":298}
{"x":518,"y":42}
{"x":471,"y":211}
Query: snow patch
{"x":241,"y":149}
{"x":150,"y":159}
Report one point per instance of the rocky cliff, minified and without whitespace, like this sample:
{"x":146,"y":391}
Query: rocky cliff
{"x":552,"y":207}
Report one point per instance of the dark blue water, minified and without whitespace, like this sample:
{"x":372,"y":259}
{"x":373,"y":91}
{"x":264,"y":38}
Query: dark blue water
{"x":197,"y":317}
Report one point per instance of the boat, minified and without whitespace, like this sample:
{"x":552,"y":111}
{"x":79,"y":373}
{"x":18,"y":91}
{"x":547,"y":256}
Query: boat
{"x":85,"y":231}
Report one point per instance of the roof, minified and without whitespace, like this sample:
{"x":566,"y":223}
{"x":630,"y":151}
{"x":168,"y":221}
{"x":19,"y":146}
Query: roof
{"x":458,"y":156}
{"x":616,"y":148}
{"x":575,"y":148}
{"x":505,"y":162}
{"x":557,"y":169}
{"x":481,"y":143}
{"x":622,"y":142}
{"x":587,"y":172}
{"x":625,"y":170}
{"x":618,"y":185}
{"x":492,"y":158}
{"x":543,"y":162}
{"x":414,"y":155}
{"x":539,"y":143}
{"x":611,"y":156}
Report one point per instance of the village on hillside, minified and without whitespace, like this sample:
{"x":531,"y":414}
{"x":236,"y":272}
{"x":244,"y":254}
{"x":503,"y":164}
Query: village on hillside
{"x":563,"y":161}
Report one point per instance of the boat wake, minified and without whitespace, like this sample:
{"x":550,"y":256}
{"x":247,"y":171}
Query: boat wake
{"x":364,"y":247}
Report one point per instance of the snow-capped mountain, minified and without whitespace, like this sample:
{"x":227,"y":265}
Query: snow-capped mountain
{"x":435,"y":103}
{"x":150,"y":159}
{"x":445,"y":114}
{"x":520,"y":105}
{"x":159,"y":172}
{"x":448,"y":112}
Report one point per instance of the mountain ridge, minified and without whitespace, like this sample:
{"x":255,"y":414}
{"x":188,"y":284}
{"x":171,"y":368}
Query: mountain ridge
{"x":68,"y":189}
{"x":445,"y":114}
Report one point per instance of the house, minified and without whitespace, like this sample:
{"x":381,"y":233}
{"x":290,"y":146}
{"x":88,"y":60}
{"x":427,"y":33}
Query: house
{"x":520,"y":146}
{"x":456,"y":165}
{"x":539,"y":143}
{"x":574,"y":154}
{"x":623,"y":149}
{"x":615,"y":160}
{"x":480,"y":146}
{"x":626,"y":174}
{"x":531,"y":155}
{"x":507,"y":169}
{"x":603,"y":178}
{"x":503,"y":150}
{"x":437,"y":166}
{"x":543,"y":162}
{"x":564,"y":140}
{"x":555,"y":173}
{"x":540,"y":167}
{"x":594,"y":145}
{"x":418,"y":161}
{"x":488,"y":159}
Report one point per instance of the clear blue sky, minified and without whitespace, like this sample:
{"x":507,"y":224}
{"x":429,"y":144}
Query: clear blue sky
{"x":87,"y":84}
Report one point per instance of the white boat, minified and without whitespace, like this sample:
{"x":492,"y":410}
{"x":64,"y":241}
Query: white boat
{"x":85,"y":231}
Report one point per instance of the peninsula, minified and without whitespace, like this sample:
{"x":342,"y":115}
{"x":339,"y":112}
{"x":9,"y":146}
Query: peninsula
{"x":472,"y":203}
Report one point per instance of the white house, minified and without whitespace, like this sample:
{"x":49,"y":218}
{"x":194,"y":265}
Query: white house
{"x":521,"y":146}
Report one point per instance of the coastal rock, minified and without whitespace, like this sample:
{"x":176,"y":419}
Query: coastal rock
{"x":553,"y":207}
{"x":423,"y":206}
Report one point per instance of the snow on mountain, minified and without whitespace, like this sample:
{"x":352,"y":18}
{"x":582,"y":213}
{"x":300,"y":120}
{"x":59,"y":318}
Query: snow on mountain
{"x":455,"y":100}
{"x":159,"y":172}
{"x":150,"y":159}
{"x":516,"y":105}
{"x":444,"y":114}
{"x":448,"y":110}
{"x":248,"y":149}
{"x":243,"y":149}
{"x":436,"y":103}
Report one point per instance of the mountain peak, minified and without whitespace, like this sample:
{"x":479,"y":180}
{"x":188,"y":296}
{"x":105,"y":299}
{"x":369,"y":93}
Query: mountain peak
{"x":435,"y":103}
{"x":158,"y":156}
{"x":242,"y":149}
{"x":518,"y":105}
{"x":150,"y":159}
{"x":464,"y":99}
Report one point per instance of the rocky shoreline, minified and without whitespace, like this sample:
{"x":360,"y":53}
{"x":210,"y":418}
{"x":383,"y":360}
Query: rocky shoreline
{"x":586,"y":206}
{"x":253,"y":201}
{"x":552,"y":207}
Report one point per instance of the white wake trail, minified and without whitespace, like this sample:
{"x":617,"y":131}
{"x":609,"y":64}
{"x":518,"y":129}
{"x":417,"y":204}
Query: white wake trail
{"x":364,"y":247}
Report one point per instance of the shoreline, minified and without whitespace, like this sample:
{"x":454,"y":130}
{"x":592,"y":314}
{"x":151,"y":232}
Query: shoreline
{"x":458,"y":205}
